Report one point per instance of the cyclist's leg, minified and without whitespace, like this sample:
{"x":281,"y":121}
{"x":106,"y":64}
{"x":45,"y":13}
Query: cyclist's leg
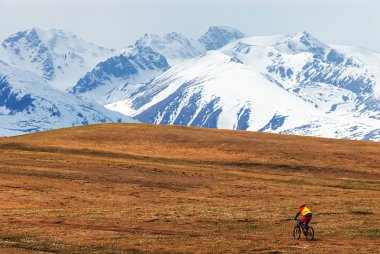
{"x":307,"y":221}
{"x":303,"y":224}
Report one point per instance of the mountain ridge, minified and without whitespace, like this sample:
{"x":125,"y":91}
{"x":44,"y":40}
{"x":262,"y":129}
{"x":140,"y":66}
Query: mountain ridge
{"x":281,"y":83}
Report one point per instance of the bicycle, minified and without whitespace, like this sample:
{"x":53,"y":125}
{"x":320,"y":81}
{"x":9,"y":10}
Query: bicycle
{"x":300,"y":227}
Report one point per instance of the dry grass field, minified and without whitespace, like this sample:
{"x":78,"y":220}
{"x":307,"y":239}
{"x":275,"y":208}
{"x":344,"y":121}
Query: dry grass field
{"x":134,"y":188}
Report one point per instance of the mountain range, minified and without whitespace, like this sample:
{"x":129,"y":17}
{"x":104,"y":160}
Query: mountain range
{"x":291,"y":84}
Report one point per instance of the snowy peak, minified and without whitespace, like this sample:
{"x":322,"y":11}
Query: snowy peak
{"x":27,"y":49}
{"x":59,"y":57}
{"x":51,"y":38}
{"x":29,"y":36}
{"x":302,"y":42}
{"x":307,"y":39}
{"x":177,"y":48}
{"x":174,"y":46}
{"x":218,"y":36}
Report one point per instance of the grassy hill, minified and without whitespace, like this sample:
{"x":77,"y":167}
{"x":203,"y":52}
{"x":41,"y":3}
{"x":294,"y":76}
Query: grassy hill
{"x":134,"y":188}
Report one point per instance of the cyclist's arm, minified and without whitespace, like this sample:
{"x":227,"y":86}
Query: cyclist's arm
{"x":295,"y":217}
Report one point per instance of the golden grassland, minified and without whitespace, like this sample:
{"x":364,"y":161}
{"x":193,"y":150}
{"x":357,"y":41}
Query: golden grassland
{"x":135,"y":188}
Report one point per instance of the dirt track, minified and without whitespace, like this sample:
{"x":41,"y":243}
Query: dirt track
{"x":127,"y":188}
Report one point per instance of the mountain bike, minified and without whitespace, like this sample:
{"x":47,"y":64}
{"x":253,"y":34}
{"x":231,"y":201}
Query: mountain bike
{"x":300,"y":227}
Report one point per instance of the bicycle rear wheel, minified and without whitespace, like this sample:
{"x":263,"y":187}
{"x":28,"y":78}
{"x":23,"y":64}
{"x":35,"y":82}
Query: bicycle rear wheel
{"x":297,"y":232}
{"x":310,"y":234}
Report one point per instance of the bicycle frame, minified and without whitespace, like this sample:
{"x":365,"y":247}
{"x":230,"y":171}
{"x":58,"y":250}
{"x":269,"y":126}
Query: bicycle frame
{"x":302,"y":226}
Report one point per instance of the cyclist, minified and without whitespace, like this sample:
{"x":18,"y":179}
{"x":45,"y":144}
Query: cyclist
{"x":306,"y":216}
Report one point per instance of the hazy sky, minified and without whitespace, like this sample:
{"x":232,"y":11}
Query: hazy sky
{"x":118,"y":23}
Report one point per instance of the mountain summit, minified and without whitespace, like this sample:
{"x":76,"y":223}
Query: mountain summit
{"x":61,"y":58}
{"x":174,"y":46}
{"x":218,"y":36}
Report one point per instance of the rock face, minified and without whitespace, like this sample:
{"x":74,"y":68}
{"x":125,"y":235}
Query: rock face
{"x":219,"y":36}
{"x":119,"y":76}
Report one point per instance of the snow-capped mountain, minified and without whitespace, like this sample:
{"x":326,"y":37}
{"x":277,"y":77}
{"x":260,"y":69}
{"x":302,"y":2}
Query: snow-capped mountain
{"x":287,"y":84}
{"x":119,"y":76}
{"x":29,"y":104}
{"x":59,"y":57}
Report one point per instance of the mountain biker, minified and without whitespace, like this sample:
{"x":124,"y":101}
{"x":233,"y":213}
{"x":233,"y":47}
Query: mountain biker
{"x":306,"y":216}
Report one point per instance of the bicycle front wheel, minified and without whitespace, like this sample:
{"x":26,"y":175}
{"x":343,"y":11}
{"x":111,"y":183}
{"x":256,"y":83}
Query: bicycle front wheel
{"x":310,"y":234}
{"x":297,"y":232}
